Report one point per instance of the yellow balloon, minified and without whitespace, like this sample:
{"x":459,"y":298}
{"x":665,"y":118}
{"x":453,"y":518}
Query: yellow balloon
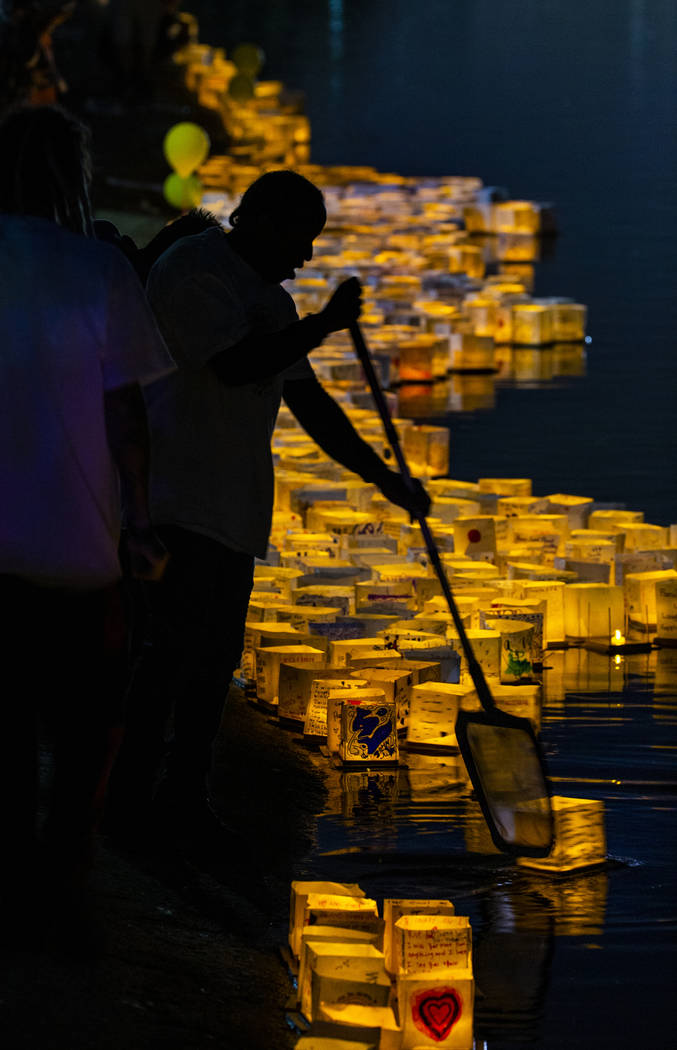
{"x":248,"y":58}
{"x":182,"y":193}
{"x":186,"y":146}
{"x":241,"y":87}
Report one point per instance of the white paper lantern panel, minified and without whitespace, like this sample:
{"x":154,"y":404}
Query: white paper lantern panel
{"x":436,"y":1010}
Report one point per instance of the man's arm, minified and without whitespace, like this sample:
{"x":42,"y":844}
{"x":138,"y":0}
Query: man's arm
{"x":326,"y":422}
{"x":257,"y":358}
{"x":127,"y":432}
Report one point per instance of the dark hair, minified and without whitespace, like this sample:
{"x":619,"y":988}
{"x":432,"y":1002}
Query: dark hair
{"x":46,"y":169}
{"x":197,"y":220}
{"x":280,"y":191}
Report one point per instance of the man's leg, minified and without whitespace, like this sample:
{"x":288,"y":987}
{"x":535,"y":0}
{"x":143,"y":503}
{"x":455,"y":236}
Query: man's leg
{"x":216,"y":588}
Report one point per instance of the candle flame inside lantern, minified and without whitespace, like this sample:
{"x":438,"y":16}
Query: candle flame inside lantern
{"x":617,"y":638}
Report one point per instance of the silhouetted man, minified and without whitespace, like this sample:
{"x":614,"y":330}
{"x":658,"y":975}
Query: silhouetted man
{"x":240,"y":347}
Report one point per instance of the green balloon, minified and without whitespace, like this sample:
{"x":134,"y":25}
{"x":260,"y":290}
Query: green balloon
{"x":182,"y":193}
{"x":186,"y":146}
{"x":241,"y":88}
{"x":248,"y":58}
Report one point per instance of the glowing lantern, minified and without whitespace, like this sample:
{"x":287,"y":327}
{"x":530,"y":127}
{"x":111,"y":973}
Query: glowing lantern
{"x":298,"y":909}
{"x":549,"y":530}
{"x":394,"y":909}
{"x":436,"y":1010}
{"x":506,"y":486}
{"x":604,"y":519}
{"x":530,"y":610}
{"x":368,"y":732}
{"x":475,"y":536}
{"x":580,"y":840}
{"x":641,"y":598}
{"x":396,"y":685}
{"x":356,"y":690}
{"x":268,"y":663}
{"x":260,"y":634}
{"x":593,"y":610}
{"x":486,"y":643}
{"x":643,"y":537}
{"x":341,"y":649}
{"x":514,"y":506}
{"x":430,"y":943}
{"x":341,"y":973}
{"x":296,"y":687}
{"x":531,"y":324}
{"x":568,"y":322}
{"x":336,"y":935}
{"x":517,"y":217}
{"x":576,"y":508}
{"x":516,"y":647}
{"x":433,"y":710}
{"x":185,"y":146}
{"x":427,"y":448}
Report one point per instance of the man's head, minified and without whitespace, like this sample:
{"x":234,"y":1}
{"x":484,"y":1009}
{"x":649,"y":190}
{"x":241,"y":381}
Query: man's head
{"x":46,"y":169}
{"x":276,"y":222}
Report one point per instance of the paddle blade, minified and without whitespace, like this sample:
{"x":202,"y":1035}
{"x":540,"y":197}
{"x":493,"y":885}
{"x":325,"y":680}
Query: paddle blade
{"x":506,"y":767}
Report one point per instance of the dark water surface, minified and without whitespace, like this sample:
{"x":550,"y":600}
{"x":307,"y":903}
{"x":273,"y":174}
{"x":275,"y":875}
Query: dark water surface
{"x":573,"y":102}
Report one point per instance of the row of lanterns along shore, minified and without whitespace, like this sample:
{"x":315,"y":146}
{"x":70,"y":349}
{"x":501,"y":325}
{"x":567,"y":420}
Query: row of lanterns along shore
{"x":442,"y":313}
{"x":393,"y":982}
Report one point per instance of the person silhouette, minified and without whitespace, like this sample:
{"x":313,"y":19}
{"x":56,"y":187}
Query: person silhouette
{"x":240,"y":347}
{"x":78,"y":337}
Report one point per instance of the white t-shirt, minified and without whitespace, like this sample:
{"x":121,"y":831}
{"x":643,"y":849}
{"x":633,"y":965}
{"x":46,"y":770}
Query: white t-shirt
{"x":75,"y":324}
{"x":211,"y":465}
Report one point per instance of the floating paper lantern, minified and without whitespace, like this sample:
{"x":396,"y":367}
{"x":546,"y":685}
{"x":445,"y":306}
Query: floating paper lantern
{"x":576,"y":508}
{"x":336,"y":935}
{"x":429,"y":943}
{"x":603,"y":519}
{"x":342,"y":649}
{"x":531,"y":324}
{"x":396,"y":685}
{"x":357,"y":690}
{"x":593,"y":610}
{"x":516,"y":647}
{"x":436,"y":1010}
{"x":515,"y":506}
{"x":487,"y":645}
{"x":641,"y":598}
{"x":433,"y":710}
{"x":344,"y":973}
{"x":300,"y":892}
{"x":295,"y":688}
{"x":268,"y":663}
{"x":394,"y":909}
{"x":580,"y":840}
{"x":506,"y":486}
{"x":549,"y":530}
{"x":475,"y":536}
{"x":368,"y":732}
{"x":470,"y":352}
{"x":568,"y":322}
{"x":640,"y":536}
{"x":516,"y":217}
